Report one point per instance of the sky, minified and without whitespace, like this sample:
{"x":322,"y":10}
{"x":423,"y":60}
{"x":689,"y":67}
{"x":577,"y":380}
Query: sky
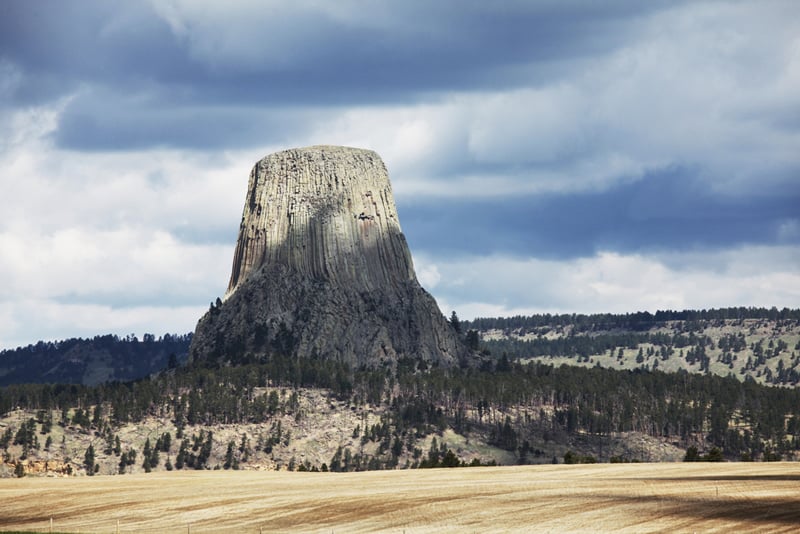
{"x":553,"y":156}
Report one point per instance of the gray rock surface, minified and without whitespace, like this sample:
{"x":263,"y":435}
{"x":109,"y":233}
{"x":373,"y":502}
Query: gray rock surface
{"x":322,"y":269}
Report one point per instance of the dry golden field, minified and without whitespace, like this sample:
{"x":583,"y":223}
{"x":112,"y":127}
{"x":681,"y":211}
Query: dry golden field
{"x":727,"y":497}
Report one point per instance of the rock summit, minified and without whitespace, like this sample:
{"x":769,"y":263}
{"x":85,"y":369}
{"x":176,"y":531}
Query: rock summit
{"x":322,"y":270}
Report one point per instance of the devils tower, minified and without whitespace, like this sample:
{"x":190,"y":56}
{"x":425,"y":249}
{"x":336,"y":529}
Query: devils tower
{"x":322,"y":270}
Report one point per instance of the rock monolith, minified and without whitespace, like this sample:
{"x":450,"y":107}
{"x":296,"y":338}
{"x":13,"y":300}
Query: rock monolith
{"x":322,"y":270}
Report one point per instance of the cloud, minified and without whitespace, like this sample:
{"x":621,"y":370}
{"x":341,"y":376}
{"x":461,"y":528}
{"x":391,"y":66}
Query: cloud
{"x":83,"y":282}
{"x":610,"y":282}
{"x":162,"y":73}
{"x":587,"y":143}
{"x":99,"y":120}
{"x":46,"y":188}
{"x":415,"y":45}
{"x":122,"y":242}
{"x":611,"y":119}
{"x":116,"y":265}
{"x":535,"y":97}
{"x":306,"y":52}
{"x":60,"y":321}
{"x":673,"y":210}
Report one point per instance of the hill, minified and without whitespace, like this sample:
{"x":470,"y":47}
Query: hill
{"x":92,"y":361}
{"x":320,"y":415}
{"x":757,"y":344}
{"x":284,"y":412}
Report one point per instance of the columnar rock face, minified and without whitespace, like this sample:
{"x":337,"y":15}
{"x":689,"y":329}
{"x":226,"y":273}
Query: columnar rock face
{"x":322,"y":269}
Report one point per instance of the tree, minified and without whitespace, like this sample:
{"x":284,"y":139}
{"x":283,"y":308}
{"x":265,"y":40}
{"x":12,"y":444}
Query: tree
{"x":691,"y":455}
{"x":473,"y":339}
{"x":229,"y":455}
{"x":455,"y":322}
{"x":714,"y":455}
{"x":164,"y":442}
{"x":8,"y":435}
{"x":97,"y":415}
{"x":88,"y":460}
{"x":450,"y":459}
{"x":180,"y":460}
{"x":154,"y":458}
{"x":147,"y":453}
{"x":336,"y":461}
{"x":397,"y":446}
{"x":244,"y":449}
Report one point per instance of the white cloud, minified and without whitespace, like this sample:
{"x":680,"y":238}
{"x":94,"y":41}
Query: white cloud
{"x":124,"y":263}
{"x":427,"y":274}
{"x":82,"y":282}
{"x":49,"y":189}
{"x":703,"y":86}
{"x":93,"y":241}
{"x":251,"y":33}
{"x":131,"y":240}
{"x":27,"y":321}
{"x":616,"y":283}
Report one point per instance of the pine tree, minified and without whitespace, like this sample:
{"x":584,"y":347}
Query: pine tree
{"x":455,"y":322}
{"x":229,"y":455}
{"x":147,"y":453}
{"x":88,"y":460}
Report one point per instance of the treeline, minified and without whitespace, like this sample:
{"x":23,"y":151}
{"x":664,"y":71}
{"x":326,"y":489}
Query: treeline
{"x":628,"y":321}
{"x":92,"y":360}
{"x":513,"y":405}
{"x":585,"y":346}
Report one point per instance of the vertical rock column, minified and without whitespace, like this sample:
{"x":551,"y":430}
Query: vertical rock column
{"x":321,"y":261}
{"x":324,"y":212}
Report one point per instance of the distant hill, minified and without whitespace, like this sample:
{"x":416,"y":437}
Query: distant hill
{"x":92,"y":361}
{"x":613,"y":402}
{"x":762,"y":344}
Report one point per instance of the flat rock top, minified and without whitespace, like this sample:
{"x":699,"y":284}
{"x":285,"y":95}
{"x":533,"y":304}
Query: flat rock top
{"x":321,"y":151}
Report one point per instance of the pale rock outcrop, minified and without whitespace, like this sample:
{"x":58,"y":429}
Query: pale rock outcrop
{"x":322,"y":269}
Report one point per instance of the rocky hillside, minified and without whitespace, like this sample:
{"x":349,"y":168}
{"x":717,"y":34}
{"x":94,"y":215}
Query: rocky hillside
{"x":302,"y":429}
{"x":762,"y":345}
{"x":289,"y":412}
{"x":317,"y":414}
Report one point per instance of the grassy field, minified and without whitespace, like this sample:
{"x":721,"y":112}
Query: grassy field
{"x":604,"y":497}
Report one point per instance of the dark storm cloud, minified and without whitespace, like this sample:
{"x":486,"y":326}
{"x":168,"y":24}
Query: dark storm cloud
{"x":102,"y":121}
{"x":60,"y":46}
{"x":546,"y":155}
{"x":127,"y":58}
{"x":669,"y":210}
